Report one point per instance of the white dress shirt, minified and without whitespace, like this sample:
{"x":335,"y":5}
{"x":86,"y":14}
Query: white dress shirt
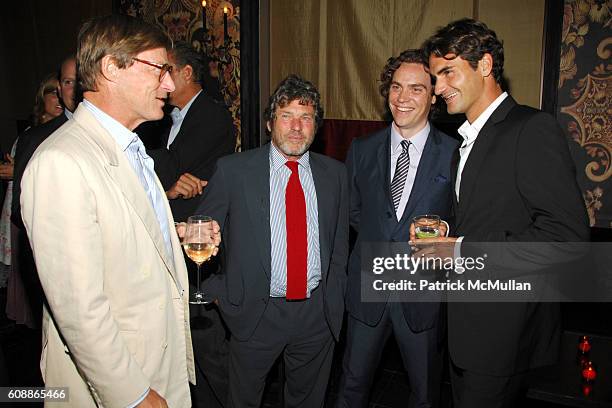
{"x":415,"y":151}
{"x":469,"y":132}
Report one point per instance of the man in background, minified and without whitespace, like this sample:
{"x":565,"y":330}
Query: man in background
{"x":201,"y":133}
{"x":28,"y":142}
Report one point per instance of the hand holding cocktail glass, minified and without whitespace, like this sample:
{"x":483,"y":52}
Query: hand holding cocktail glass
{"x":426,"y":233}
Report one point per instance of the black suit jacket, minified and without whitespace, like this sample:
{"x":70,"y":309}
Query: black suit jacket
{"x":372,"y":213}
{"x":518,"y":185}
{"x":206,"y":134}
{"x":238,"y":197}
{"x":26,"y":146}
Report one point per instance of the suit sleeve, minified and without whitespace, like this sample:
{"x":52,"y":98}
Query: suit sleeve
{"x":69,"y":253}
{"x":205,"y":136}
{"x":340,"y":251}
{"x":546,"y":181}
{"x":353,"y":185}
{"x":23,"y":153}
{"x":215,"y":204}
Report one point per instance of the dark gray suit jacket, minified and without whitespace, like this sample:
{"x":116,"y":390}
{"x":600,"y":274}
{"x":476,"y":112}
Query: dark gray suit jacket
{"x":238,"y":197}
{"x":373,"y":217}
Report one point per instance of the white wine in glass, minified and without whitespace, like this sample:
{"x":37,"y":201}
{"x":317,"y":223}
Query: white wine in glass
{"x":199,"y":247}
{"x":199,"y":253}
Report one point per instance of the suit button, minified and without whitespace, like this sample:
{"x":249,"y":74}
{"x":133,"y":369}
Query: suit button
{"x":164,"y":345}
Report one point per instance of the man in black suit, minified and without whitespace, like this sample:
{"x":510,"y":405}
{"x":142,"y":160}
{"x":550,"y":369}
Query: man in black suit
{"x":374,"y":166}
{"x":514,"y":181}
{"x":28,"y":142}
{"x":284,"y":215}
{"x":201,"y":132}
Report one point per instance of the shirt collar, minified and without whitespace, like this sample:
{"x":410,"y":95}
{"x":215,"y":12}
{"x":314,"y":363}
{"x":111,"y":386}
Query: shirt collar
{"x":277,"y":160}
{"x":186,"y":107}
{"x":418,"y":140}
{"x":68,"y":114}
{"x":469,"y":131}
{"x":122,"y":135}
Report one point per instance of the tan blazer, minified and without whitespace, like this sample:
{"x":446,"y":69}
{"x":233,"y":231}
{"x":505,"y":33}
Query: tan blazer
{"x":117,"y":319}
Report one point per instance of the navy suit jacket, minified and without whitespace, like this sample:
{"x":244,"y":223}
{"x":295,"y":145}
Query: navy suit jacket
{"x":373,"y":217}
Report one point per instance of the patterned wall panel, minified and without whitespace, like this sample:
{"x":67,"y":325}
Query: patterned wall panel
{"x":585,"y":94}
{"x":183,"y":20}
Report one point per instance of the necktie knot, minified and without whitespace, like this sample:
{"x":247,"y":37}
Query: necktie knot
{"x":405,"y":145}
{"x":293,"y":166}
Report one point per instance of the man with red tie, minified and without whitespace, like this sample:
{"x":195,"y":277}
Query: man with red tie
{"x":284,"y":215}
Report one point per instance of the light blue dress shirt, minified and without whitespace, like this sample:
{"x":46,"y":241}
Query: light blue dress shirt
{"x":142,"y":165}
{"x":279,"y":177}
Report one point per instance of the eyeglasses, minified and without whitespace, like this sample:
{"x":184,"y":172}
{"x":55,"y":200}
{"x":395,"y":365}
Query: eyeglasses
{"x":163,"y":69}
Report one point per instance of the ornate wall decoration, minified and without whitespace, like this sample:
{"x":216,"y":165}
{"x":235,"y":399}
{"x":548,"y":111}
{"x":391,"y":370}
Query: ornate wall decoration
{"x":585,"y":96}
{"x":183,"y":20}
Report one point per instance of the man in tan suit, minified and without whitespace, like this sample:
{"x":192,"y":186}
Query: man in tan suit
{"x":116,"y":326}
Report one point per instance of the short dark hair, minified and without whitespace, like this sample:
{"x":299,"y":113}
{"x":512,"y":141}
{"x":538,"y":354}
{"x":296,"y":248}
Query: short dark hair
{"x":184,"y":54}
{"x":120,"y":36}
{"x":295,"y":88}
{"x":409,"y":56}
{"x":470,"y":40}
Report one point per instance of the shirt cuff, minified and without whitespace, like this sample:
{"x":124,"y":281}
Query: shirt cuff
{"x":139,"y":400}
{"x":447,"y":227}
{"x":457,"y":249}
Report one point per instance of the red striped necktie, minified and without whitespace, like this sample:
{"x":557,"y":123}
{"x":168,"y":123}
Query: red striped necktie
{"x":297,"y":240}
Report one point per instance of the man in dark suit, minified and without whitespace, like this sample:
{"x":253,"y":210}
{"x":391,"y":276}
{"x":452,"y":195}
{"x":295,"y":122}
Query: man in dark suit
{"x":385,"y":196}
{"x":28,"y":142}
{"x":514,"y":181}
{"x":284,"y":215}
{"x":201,"y":132}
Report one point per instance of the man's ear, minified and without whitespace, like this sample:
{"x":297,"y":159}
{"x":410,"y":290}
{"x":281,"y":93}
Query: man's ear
{"x":486,"y":64}
{"x":109,"y":68}
{"x":269,"y":126}
{"x":433,"y":99}
{"x":187,"y":72}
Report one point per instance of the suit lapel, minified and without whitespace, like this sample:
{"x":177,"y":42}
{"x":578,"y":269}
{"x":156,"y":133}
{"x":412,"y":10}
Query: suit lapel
{"x":257,"y":197}
{"x":122,"y":174}
{"x":479,"y":152}
{"x":323,"y":187}
{"x":425,"y":173}
{"x":383,"y":155}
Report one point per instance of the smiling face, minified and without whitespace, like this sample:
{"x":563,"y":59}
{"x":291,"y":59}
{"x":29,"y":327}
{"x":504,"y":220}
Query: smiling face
{"x":140,"y":94}
{"x":293,"y":129}
{"x":51,"y":104}
{"x":460,"y":85}
{"x":410,"y":98}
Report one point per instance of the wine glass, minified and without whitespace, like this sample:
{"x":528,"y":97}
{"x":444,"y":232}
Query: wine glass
{"x":199,"y":246}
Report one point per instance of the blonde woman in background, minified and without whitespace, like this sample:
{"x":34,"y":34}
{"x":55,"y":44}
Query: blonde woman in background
{"x":46,"y":107}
